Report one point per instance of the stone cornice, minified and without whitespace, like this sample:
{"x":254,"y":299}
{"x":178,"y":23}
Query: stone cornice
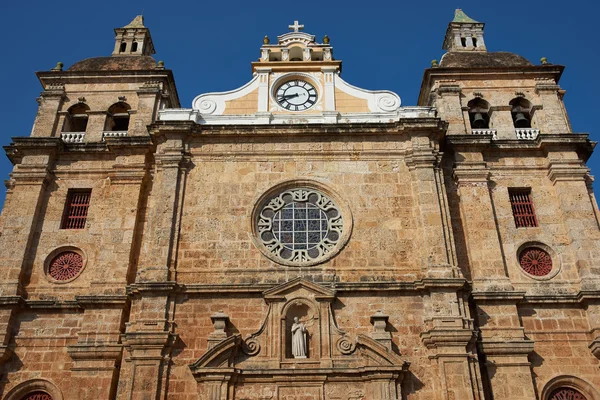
{"x":434,"y":126}
{"x":48,"y":78}
{"x":545,"y":142}
{"x":430,"y":75}
{"x":506,"y":347}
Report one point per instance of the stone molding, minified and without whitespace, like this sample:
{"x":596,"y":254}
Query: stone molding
{"x":263,"y":354}
{"x":95,"y":357}
{"x":573,"y":382}
{"x":24,"y":388}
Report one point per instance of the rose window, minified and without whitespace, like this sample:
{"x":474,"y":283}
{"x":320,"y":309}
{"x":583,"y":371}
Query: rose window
{"x":300,"y":226}
{"x":535,"y":261}
{"x":37,"y":396}
{"x":566,"y":394}
{"x":65,"y":266}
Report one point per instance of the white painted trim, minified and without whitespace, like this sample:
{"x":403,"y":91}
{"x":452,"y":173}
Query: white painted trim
{"x":378,"y":100}
{"x":214,"y":103}
{"x":326,"y":117}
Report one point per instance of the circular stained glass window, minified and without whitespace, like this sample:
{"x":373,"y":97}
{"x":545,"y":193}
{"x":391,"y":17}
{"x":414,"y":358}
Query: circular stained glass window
{"x":37,"y":396}
{"x":566,"y":394}
{"x":65,"y":266}
{"x":535,"y":261}
{"x":300,"y":226}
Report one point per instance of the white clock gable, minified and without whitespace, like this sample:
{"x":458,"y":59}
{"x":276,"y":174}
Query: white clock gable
{"x":296,"y":80}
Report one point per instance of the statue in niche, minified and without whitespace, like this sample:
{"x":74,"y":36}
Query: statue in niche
{"x":298,"y":339}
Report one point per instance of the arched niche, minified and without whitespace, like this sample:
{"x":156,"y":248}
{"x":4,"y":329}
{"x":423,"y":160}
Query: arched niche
{"x":563,"y":382}
{"x":22,"y":390}
{"x":305,"y":311}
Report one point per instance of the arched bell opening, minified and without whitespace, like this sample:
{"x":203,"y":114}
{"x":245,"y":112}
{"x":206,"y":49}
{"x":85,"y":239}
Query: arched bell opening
{"x":77,"y":118}
{"x":521,"y":112}
{"x":479,"y":113}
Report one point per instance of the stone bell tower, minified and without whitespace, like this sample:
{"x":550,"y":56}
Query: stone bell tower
{"x":133,"y":39}
{"x":464,"y":34}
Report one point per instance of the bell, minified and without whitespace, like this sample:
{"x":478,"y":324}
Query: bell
{"x":521,"y":121}
{"x":478,"y":121}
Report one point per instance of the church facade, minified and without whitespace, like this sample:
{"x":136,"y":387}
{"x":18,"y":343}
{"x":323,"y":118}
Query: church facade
{"x":300,"y":238}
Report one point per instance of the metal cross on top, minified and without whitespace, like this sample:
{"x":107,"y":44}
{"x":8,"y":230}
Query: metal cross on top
{"x":296,"y":27}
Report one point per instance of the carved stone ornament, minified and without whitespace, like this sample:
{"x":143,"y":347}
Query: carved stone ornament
{"x":64,"y":264}
{"x":300,"y":227}
{"x":267,"y":361}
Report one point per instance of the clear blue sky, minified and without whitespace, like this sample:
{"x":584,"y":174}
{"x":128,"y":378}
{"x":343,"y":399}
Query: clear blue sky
{"x":209,"y":44}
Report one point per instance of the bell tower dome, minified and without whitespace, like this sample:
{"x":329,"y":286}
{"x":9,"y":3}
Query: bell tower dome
{"x":464,"y":34}
{"x":133,"y":39}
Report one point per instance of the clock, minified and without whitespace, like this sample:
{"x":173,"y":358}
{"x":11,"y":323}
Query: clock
{"x":296,"y":95}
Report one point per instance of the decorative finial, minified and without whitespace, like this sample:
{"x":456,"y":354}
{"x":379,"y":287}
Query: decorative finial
{"x":434,"y":63}
{"x":326,"y":39}
{"x":160,"y":65}
{"x":544,"y":60}
{"x":296,"y":27}
{"x":266,"y":40}
{"x":59,"y":67}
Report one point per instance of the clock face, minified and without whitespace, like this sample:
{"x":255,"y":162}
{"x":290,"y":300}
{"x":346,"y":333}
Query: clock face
{"x":296,"y":95}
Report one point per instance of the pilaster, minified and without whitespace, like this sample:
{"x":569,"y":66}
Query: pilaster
{"x":478,"y":217}
{"x":49,"y":104}
{"x":162,"y":227}
{"x":569,"y":176}
{"x":449,"y":105}
{"x":434,"y":215}
{"x":450,"y":337}
{"x":552,"y":112}
{"x":149,"y":95}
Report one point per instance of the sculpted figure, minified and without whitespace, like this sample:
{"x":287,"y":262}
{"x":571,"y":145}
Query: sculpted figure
{"x":298,"y":339}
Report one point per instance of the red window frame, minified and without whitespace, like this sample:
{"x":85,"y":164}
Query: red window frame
{"x":76,"y":209}
{"x":522,"y":208}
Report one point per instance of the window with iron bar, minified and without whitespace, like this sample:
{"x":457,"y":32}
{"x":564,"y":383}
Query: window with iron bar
{"x":522,"y":208}
{"x":76,"y":209}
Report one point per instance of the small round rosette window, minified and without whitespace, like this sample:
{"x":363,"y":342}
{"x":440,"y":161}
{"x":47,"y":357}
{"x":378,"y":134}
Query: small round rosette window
{"x":37,"y":396}
{"x":65,"y":266}
{"x":535,"y":261}
{"x":300,"y":227}
{"x":566,"y":394}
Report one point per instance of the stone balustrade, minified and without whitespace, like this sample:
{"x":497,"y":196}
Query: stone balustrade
{"x":485,"y":132}
{"x":526,"y":133}
{"x":72,"y":137}
{"x":113,"y":134}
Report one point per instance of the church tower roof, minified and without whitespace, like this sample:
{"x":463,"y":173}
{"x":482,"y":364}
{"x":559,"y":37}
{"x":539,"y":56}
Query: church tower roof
{"x":461,"y":17}
{"x":466,"y":47}
{"x":464,"y":34}
{"x":132,"y":52}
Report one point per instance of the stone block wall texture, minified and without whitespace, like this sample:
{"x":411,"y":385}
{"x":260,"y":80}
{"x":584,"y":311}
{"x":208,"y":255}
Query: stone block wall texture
{"x":177,"y":300}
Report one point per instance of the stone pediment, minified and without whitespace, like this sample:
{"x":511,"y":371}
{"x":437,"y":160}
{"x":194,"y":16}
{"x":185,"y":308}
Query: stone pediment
{"x":298,"y":287}
{"x":241,"y":367}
